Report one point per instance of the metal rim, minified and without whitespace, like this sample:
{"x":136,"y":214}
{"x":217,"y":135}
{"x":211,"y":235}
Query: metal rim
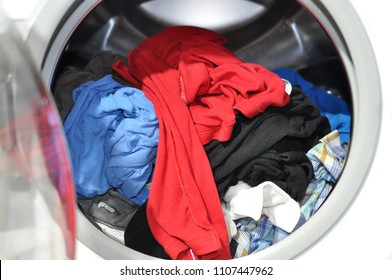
{"x":338,"y":18}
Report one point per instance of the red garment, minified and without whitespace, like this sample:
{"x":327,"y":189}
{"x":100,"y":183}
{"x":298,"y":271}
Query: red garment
{"x":213,"y":82}
{"x":196,"y":86}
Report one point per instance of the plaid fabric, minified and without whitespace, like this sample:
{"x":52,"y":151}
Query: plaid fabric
{"x":323,"y":196}
{"x":253,"y":236}
{"x":331,"y":153}
{"x":327,"y":159}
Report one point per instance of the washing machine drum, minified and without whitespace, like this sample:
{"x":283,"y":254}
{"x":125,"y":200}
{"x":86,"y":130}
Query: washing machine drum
{"x":309,"y":43}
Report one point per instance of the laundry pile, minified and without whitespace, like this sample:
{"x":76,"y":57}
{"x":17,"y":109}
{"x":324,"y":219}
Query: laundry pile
{"x":183,"y":151}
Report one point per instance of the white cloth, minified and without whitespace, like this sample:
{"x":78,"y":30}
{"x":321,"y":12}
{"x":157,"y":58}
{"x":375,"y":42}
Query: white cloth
{"x":267,"y":198}
{"x":230,"y":225}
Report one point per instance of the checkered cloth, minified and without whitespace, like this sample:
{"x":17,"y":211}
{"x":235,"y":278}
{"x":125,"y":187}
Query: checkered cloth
{"x":327,"y":158}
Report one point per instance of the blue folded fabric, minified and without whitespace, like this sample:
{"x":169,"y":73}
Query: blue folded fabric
{"x":112,"y":134}
{"x":334,"y":108}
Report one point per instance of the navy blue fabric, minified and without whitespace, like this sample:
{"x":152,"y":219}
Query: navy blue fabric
{"x":334,"y":108}
{"x":112,"y":133}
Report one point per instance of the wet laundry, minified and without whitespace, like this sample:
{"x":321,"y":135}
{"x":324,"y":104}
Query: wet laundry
{"x":112,"y":133}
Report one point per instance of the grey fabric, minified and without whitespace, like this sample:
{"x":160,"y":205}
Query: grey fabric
{"x":99,"y":66}
{"x":110,"y":209}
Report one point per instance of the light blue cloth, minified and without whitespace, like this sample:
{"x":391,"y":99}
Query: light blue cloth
{"x":253,"y":236}
{"x":112,"y":134}
{"x":334,"y":108}
{"x":327,"y":159}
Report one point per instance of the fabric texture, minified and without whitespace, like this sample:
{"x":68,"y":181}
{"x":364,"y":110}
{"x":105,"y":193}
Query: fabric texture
{"x":139,"y":237}
{"x":270,"y":147}
{"x":112,"y":134}
{"x":230,"y":225}
{"x":111,"y":209}
{"x":214,"y":83}
{"x":265,"y":199}
{"x":175,"y":69}
{"x":327,"y":158}
{"x":111,"y":212}
{"x":72,"y":77}
{"x":334,"y":108}
{"x":253,"y":236}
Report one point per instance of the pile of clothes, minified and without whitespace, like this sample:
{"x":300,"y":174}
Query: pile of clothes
{"x":183,"y":151}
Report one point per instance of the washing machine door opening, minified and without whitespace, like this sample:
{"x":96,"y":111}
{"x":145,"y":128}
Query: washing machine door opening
{"x":308,"y":39}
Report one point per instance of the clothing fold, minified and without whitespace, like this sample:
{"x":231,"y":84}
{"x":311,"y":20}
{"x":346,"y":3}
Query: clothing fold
{"x":183,"y":211}
{"x":197,"y":88}
{"x":112,"y":134}
{"x":270,"y":147}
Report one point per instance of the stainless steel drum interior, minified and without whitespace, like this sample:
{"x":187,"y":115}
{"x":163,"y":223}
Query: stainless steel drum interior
{"x":274,"y":33}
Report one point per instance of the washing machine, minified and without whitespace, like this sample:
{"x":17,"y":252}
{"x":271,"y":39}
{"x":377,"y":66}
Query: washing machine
{"x":338,"y":44}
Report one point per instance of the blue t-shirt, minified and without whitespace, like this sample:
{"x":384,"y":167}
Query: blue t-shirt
{"x":112,"y":134}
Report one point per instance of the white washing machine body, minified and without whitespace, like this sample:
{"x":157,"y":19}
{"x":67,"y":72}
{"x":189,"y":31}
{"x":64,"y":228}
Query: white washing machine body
{"x":365,"y":231}
{"x":356,"y":223}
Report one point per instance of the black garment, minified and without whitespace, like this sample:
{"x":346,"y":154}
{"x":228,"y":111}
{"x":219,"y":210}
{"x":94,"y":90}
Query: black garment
{"x":291,"y":171}
{"x":138,"y":235}
{"x":233,"y":247}
{"x":297,"y":127}
{"x":110,"y":209}
{"x":99,"y":66}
